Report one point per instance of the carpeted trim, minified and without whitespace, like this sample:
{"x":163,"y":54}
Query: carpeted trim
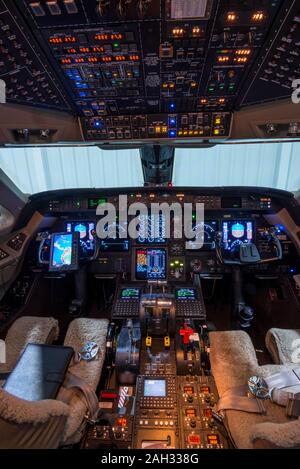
{"x":282,"y":345}
{"x":18,"y":410}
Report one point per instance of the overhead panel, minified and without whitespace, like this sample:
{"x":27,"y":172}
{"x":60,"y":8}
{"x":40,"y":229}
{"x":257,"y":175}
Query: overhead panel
{"x":151,"y":69}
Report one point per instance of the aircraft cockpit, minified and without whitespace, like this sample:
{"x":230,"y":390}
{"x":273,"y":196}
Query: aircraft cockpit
{"x":149,"y":225}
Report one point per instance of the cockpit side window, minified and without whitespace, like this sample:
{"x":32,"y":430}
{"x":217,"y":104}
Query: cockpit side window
{"x":6,"y":220}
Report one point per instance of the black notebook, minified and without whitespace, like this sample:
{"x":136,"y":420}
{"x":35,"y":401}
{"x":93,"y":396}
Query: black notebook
{"x":39,"y":372}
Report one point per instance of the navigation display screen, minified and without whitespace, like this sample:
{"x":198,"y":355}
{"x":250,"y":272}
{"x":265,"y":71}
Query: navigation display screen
{"x":151,"y":264}
{"x":84,"y":228}
{"x":237,"y":232}
{"x":152,"y":229}
{"x":155,"y":388}
{"x":185,"y":294}
{"x":115,"y":240}
{"x":130,"y":293}
{"x":205,"y":232}
{"x":63,"y":255}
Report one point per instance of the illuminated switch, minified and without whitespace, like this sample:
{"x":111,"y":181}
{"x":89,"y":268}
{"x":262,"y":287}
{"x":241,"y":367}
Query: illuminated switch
{"x":258,"y":16}
{"x":71,"y":7}
{"x":196,"y":31}
{"x":231,"y":17}
{"x":53,"y":7}
{"x":194,"y":439}
{"x":37,"y":9}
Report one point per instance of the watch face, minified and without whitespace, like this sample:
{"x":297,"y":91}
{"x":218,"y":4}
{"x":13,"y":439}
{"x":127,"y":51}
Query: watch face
{"x":258,"y":387}
{"x":89,"y":351}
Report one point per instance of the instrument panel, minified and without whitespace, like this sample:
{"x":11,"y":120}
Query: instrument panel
{"x":153,"y":256}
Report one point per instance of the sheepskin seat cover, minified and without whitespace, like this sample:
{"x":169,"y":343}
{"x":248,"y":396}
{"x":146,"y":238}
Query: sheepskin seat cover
{"x":25,"y":330}
{"x":283,"y":345}
{"x":30,"y":425}
{"x":80,"y":331}
{"x":233,"y":361}
{"x":20,"y":411}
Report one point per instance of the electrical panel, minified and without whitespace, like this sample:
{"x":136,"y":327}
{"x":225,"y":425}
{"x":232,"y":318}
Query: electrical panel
{"x":149,"y":126}
{"x":23,"y":66}
{"x":119,"y":62}
{"x":274,"y":74}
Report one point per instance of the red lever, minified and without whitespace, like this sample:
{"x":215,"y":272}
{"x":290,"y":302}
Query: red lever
{"x":186,"y":332}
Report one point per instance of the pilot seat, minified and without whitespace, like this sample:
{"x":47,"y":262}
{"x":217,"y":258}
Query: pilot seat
{"x":51,"y":423}
{"x":233,"y":362}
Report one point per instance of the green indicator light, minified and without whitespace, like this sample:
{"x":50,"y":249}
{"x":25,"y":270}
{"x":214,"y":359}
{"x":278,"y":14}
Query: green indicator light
{"x":116,"y":44}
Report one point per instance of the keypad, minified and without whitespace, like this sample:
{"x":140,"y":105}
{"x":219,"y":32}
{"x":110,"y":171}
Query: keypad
{"x":126,"y":308}
{"x":17,"y":241}
{"x":190,"y":308}
{"x":3,"y":254}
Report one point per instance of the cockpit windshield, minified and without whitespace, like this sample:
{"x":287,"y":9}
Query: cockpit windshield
{"x":39,"y":169}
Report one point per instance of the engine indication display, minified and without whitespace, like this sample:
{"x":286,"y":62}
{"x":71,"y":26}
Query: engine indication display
{"x":237,"y":232}
{"x":151,"y":264}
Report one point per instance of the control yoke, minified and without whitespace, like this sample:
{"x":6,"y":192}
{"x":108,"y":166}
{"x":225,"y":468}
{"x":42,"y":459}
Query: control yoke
{"x":248,"y":253}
